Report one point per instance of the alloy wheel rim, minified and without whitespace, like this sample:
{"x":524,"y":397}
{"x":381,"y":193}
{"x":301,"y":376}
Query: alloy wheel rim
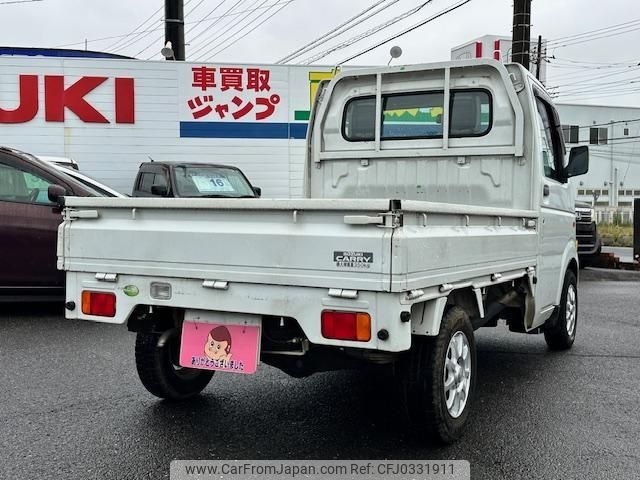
{"x":457,"y":374}
{"x":570,"y":310}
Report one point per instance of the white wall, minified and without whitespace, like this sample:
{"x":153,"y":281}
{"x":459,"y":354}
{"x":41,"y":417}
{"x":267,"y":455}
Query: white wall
{"x":112,"y":152}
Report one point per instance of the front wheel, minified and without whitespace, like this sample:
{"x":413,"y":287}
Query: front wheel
{"x":561,"y":334}
{"x":158,"y":369}
{"x":438,"y":379}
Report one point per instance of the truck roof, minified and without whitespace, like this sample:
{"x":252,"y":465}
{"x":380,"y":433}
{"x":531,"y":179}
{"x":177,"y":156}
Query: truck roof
{"x":188,"y":164}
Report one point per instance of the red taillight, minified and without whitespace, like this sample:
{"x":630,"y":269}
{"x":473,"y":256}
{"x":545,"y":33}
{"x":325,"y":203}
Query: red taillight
{"x":100,"y":304}
{"x":346,"y":325}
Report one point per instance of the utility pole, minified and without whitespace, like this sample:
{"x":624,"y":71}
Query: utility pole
{"x":174,"y":27}
{"x":613,"y":188}
{"x":521,"y":32}
{"x":539,"y":61}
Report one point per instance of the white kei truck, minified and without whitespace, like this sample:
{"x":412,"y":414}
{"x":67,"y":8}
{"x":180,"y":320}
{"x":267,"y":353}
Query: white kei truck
{"x":437,"y":202}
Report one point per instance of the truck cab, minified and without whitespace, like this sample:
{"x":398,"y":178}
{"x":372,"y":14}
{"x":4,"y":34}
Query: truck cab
{"x":192,"y":180}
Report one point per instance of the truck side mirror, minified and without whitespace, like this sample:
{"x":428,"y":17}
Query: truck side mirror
{"x":56,"y":194}
{"x":578,"y":161}
{"x":257,"y":191}
{"x":159,"y":190}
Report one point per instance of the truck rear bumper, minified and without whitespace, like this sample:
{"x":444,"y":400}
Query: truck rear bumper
{"x":304,"y":304}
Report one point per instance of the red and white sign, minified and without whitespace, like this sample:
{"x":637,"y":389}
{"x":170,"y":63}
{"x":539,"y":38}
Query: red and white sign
{"x":60,"y":96}
{"x":234,"y":93}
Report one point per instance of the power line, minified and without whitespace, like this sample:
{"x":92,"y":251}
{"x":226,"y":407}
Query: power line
{"x":211,"y":41}
{"x":210,"y":19}
{"x":591,"y":93}
{"x":205,"y":17}
{"x":569,"y":60}
{"x":193,"y":8}
{"x":591,"y":39}
{"x":611,"y":94}
{"x":593,"y":33}
{"x":140,"y":37}
{"x":149,"y":32}
{"x":366,"y":34}
{"x":410,"y":29}
{"x":160,"y":28}
{"x":598,"y":77}
{"x":603,"y":124}
{"x":227,"y":12}
{"x":600,"y":87}
{"x":340,"y":28}
{"x":150,"y":17}
{"x":598,"y":31}
{"x":610,"y":141}
{"x":197,"y":23}
{"x":12,"y":2}
{"x":254,"y":28}
{"x":576,"y":76}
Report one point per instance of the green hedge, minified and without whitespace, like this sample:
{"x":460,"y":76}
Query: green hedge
{"x":616,"y":235}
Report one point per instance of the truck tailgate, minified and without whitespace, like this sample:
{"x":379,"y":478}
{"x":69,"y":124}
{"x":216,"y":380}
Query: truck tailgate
{"x":281,"y":242}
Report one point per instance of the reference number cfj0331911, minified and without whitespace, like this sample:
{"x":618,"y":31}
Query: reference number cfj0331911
{"x":320,"y":470}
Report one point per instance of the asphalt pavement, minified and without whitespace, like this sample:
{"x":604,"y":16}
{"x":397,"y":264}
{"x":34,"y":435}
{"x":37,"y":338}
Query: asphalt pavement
{"x":71,"y":405}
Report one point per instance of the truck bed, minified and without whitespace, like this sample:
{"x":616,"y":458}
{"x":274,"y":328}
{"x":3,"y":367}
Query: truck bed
{"x":375,"y":245}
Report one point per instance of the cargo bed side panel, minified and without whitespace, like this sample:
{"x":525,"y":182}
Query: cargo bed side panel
{"x":435,"y":255}
{"x":280,"y":247}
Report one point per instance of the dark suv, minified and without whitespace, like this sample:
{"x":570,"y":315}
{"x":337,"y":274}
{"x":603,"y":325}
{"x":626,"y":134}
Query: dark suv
{"x":589,"y":243}
{"x":29,"y":225}
{"x":192,"y":180}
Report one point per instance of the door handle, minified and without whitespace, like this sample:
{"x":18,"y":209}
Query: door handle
{"x":545,"y":190}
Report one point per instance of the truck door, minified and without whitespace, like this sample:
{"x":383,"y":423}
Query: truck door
{"x":557,"y":226}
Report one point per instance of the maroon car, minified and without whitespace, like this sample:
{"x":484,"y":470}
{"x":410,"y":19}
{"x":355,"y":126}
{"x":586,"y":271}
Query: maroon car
{"x":28,"y":226}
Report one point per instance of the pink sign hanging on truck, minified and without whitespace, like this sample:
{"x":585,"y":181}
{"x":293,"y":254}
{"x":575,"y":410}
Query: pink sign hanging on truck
{"x":221,"y":347}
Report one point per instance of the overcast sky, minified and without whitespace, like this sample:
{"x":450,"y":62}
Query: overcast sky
{"x":607,"y":65}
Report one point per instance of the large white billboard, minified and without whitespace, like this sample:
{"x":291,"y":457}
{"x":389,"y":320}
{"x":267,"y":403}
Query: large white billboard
{"x":110,"y":115}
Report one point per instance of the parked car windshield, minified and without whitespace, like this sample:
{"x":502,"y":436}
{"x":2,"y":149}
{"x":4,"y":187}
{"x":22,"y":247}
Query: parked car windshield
{"x":211,"y":181}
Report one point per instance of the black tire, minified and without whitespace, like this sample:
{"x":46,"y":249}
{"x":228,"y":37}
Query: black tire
{"x":423,"y":383}
{"x":156,"y":361}
{"x":560,"y":332}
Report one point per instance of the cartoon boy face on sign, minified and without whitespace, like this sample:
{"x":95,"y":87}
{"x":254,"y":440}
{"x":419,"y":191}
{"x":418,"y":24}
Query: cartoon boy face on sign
{"x":218,"y":346}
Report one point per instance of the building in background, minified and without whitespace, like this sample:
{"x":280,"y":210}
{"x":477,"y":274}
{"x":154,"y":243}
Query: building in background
{"x":613,"y":136}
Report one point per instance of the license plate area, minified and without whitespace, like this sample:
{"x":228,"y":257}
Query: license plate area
{"x":221,"y":341}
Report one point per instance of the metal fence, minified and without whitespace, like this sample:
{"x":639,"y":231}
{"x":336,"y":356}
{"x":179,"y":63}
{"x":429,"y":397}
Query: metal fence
{"x":620,"y":215}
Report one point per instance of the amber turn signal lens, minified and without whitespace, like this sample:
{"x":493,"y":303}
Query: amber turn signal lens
{"x":346,"y":325}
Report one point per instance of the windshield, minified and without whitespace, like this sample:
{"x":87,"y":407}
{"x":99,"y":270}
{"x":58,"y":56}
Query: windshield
{"x":210,"y":181}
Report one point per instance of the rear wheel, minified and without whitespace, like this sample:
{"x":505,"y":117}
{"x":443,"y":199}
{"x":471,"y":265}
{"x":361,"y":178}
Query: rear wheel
{"x":159,"y":371}
{"x":561,"y":334}
{"x":438,"y":379}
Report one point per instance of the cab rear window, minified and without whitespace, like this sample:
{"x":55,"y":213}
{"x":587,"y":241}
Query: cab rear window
{"x":407,"y":116}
